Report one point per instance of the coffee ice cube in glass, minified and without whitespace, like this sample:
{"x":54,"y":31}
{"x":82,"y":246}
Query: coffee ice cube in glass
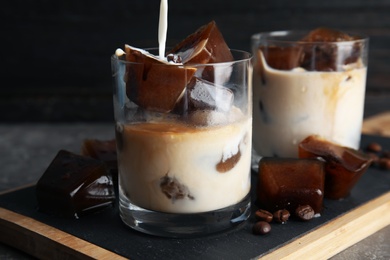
{"x":203,"y":94}
{"x":329,"y":57}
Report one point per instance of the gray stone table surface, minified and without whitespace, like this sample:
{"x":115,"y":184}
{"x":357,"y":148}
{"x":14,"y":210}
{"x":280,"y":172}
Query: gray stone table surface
{"x":27,"y":149}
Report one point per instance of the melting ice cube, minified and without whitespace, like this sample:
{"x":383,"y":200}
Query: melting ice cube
{"x":206,"y":95}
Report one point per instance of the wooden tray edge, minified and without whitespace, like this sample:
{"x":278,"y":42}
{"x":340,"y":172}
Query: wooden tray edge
{"x":46,"y":242}
{"x":338,"y":234}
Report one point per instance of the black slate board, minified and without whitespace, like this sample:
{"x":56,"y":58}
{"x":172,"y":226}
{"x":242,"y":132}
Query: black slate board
{"x":106,"y":230}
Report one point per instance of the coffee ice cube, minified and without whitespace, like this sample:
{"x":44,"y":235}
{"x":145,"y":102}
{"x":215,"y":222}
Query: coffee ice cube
{"x":323,"y":34}
{"x":173,"y":189}
{"x":74,"y":185}
{"x":103,"y":150}
{"x":328,"y":56}
{"x":343,"y":165}
{"x":205,"y":45}
{"x":225,"y":165}
{"x":203,"y":94}
{"x":154,"y":84}
{"x":282,"y":58}
{"x":285,"y":183}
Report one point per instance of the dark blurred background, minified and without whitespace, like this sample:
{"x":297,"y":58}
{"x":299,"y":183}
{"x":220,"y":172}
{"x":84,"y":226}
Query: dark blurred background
{"x":56,"y":54}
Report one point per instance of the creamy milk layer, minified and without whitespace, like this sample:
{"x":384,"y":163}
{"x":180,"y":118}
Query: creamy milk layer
{"x":171,"y":167}
{"x":291,"y":105}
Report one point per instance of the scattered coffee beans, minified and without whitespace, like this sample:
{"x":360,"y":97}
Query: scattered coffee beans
{"x":304,"y":212}
{"x":380,"y":157}
{"x":263,"y":215}
{"x":261,"y":228}
{"x":281,"y":216}
{"x":374,"y":147}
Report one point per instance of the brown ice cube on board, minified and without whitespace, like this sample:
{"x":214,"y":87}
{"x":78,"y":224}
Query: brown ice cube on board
{"x":103,"y":150}
{"x":282,"y":58}
{"x":74,"y":185}
{"x":205,"y":45}
{"x":285,"y":183}
{"x":343,"y":166}
{"x":327,"y":56}
{"x":153,"y":84}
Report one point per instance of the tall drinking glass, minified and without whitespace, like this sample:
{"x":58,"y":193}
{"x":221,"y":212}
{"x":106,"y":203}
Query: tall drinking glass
{"x":184,"y":145}
{"x":304,"y":86}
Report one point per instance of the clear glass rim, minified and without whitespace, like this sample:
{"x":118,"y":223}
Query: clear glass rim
{"x":239,"y":57}
{"x":281,"y":37}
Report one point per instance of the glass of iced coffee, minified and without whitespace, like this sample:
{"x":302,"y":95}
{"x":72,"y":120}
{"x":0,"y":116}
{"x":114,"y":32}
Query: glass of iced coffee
{"x":183,"y":132}
{"x":307,"y":83}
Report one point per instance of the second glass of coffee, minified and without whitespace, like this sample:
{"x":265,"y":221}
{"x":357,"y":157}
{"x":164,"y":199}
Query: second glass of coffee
{"x":307,"y":83}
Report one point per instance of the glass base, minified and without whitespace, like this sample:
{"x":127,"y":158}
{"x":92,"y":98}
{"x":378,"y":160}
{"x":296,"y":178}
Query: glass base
{"x":183,"y":225}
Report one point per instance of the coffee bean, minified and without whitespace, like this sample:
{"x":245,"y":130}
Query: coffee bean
{"x":384,"y":163}
{"x":281,"y":216}
{"x":261,"y":228}
{"x":374,"y":147}
{"x":263,"y":215}
{"x":304,"y":212}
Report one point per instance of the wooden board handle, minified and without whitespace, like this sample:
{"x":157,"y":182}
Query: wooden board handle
{"x":46,"y":242}
{"x":377,"y":125}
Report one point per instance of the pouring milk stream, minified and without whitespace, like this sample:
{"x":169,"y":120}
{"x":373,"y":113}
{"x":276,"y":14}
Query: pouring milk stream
{"x":162,"y":27}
